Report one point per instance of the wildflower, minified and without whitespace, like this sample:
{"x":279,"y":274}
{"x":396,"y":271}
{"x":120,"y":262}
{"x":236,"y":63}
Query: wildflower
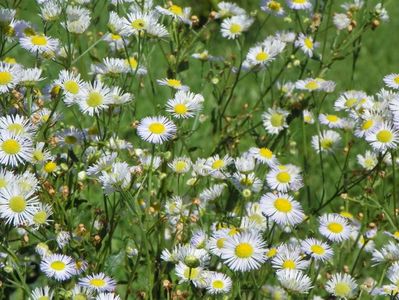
{"x":334,"y":227}
{"x":295,"y":281}
{"x":156,"y":130}
{"x":306,"y":43}
{"x":317,"y":249}
{"x":173,"y":83}
{"x":233,"y":27}
{"x":98,"y":282}
{"x":218,"y":283}
{"x":383,"y":137}
{"x":9,"y":77}
{"x":14,"y":149}
{"x":274,"y":120}
{"x":57,"y":266}
{"x":185,"y":104}
{"x":94,"y":98}
{"x":272,"y":7}
{"x":326,"y":142}
{"x":284,"y":178}
{"x":341,"y":285}
{"x":39,"y":43}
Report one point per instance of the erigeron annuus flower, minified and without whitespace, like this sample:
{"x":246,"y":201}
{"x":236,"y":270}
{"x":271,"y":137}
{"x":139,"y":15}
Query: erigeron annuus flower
{"x":350,"y":100}
{"x":71,"y":85}
{"x":392,"y":80}
{"x":272,"y":7}
{"x":30,"y":77}
{"x":218,"y":283}
{"x":14,"y":149}
{"x":41,"y":214}
{"x":326,"y":141}
{"x":70,"y":137}
{"x":244,"y":251}
{"x":282,"y":209}
{"x":9,"y":76}
{"x":228,"y":9}
{"x":317,"y":249}
{"x":388,"y":253}
{"x":263,"y":155}
{"x":274,"y":120}
{"x":368,"y":161}
{"x":94,"y":98}
{"x":195,"y":275}
{"x":295,"y":281}
{"x":156,"y":130}
{"x":16,"y":206}
{"x":41,"y":293}
{"x":58,"y":266}
{"x":77,"y":19}
{"x":308,"y":117}
{"x":119,"y":97}
{"x":79,"y":292}
{"x":299,"y":4}
{"x":39,"y":43}
{"x":50,"y":10}
{"x":116,"y":179}
{"x":184,"y":104}
{"x":180,"y":165}
{"x":17,"y":125}
{"x":137,"y":21}
{"x":331,"y":120}
{"x":341,"y":21}
{"x":108,"y":296}
{"x":173,"y":83}
{"x":133,"y":66}
{"x":289,"y":257}
{"x":334,"y":227}
{"x":212,"y":193}
{"x":341,"y":285}
{"x":216,"y":164}
{"x":265,"y":52}
{"x":247,"y":181}
{"x":233,"y":27}
{"x":383,"y":137}
{"x":284,"y":178}
{"x":7,"y":178}
{"x":98,"y":282}
{"x":315,"y":84}
{"x":306,"y":44}
{"x":178,"y":13}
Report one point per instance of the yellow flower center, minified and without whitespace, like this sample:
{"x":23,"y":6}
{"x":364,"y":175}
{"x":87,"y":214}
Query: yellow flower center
{"x":17,"y":204}
{"x":312,"y":85}
{"x":180,"y":109}
{"x":233,"y":231}
{"x":262,"y":56}
{"x":11,"y":147}
{"x":177,"y":10}
{"x":308,"y":43}
{"x":283,"y":177}
{"x":79,"y":297}
{"x":191,"y":273}
{"x":289,"y":264}
{"x":218,"y":284}
{"x":326,"y":143}
{"x":235,"y":28}
{"x":342,"y":289}
{"x":217,"y":164}
{"x":335,"y":227}
{"x":246,"y":181}
{"x":138,"y":24}
{"x":3,"y":183}
{"x":132,"y":62}
{"x":283,"y":205}
{"x":274,"y":5}
{"x":10,"y":60}
{"x":71,"y":87}
{"x":384,"y":136}
{"x":38,"y":40}
{"x":299,"y":1}
{"x":95,"y":99}
{"x":350,"y":102}
{"x":317,"y":249}
{"x":40,"y":217}
{"x":332,"y":118}
{"x":396,"y":234}
{"x":244,"y":250}
{"x":15,"y":128}
{"x":50,"y":167}
{"x":272,"y":252}
{"x":277,"y":120}
{"x":157,"y":128}
{"x":5,"y":78}
{"x":116,"y":37}
{"x":43,"y":298}
{"x":180,"y":165}
{"x":265,"y":152}
{"x":220,"y":243}
{"x":174,"y":83}
{"x":367,"y":124}
{"x":70,"y":139}
{"x":97,"y":282}
{"x":57,"y":265}
{"x":396,"y":79}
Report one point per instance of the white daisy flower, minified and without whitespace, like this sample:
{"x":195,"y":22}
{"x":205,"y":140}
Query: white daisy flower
{"x":107,"y":296}
{"x":119,"y":97}
{"x":331,"y":120}
{"x":341,"y":285}
{"x":383,"y":137}
{"x":17,"y":125}
{"x":180,"y":165}
{"x":284,"y":178}
{"x":14,"y":149}
{"x":327,"y":141}
{"x":273,"y":7}
{"x":263,"y":155}
{"x":94,"y":98}
{"x":216,"y":164}
{"x":98,"y":282}
{"x":71,"y":84}
{"x":233,"y":27}
{"x":173,"y":83}
{"x":77,"y":19}
{"x":30,"y":77}
{"x":244,"y":251}
{"x":341,"y":21}
{"x":39,"y":43}
{"x":156,"y":130}
{"x":116,"y":179}
{"x":308,"y":117}
{"x":299,"y":4}
{"x":79,"y":292}
{"x":317,"y":249}
{"x":212,"y":193}
{"x":7,"y":178}
{"x":41,"y":293}
{"x":218,"y":283}
{"x":306,"y":43}
{"x":40,"y":216}
{"x":295,"y":281}
{"x":195,"y":275}
{"x":275,"y":120}
{"x":334,"y":227}
{"x":289,"y":257}
{"x":247,"y":181}
{"x":137,"y":21}
{"x":368,"y":161}
{"x":228,"y":9}
{"x":350,"y":99}
{"x":265,"y":52}
{"x":185,"y":104}
{"x":9,"y":76}
{"x":282,"y":209}
{"x":50,"y":10}
{"x":58,"y":266}
{"x":134,"y":67}
{"x":217,"y":241}
{"x":392,"y":80}
{"x":178,"y":13}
